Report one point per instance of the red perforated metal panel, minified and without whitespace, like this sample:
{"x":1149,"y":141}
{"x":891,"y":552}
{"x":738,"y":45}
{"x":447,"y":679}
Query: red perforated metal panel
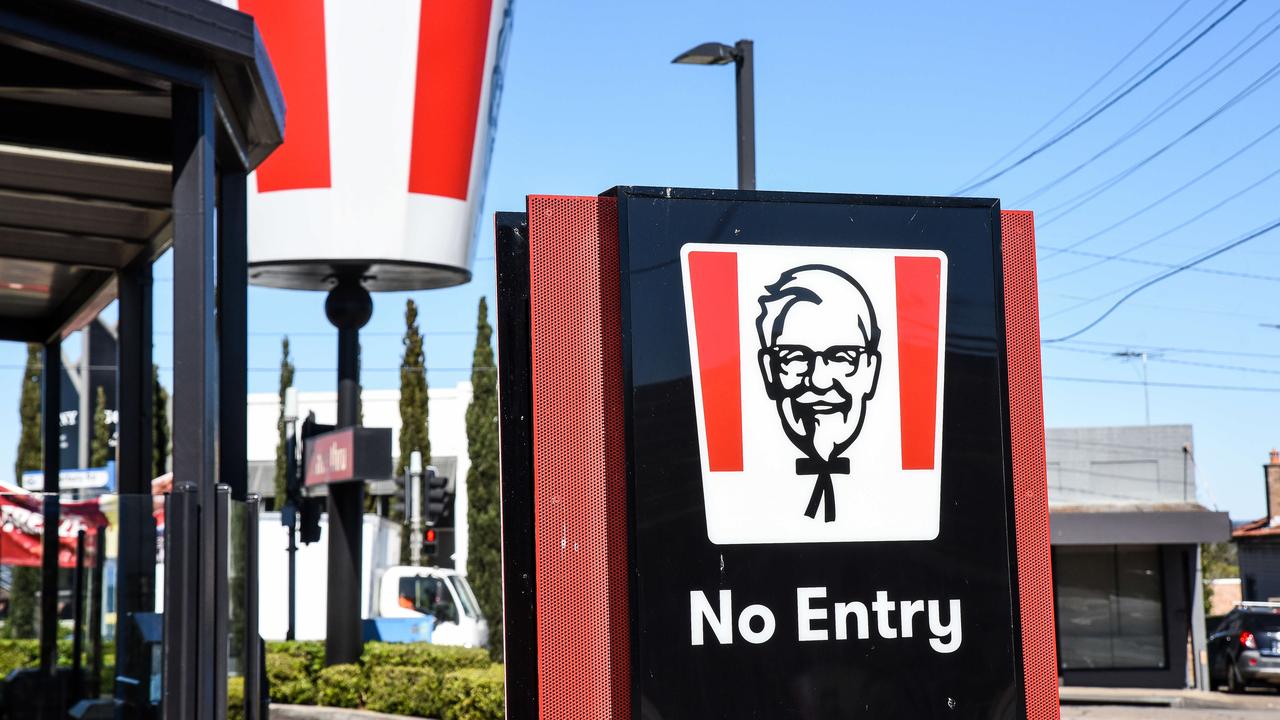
{"x":580,"y":530}
{"x":1030,"y":486}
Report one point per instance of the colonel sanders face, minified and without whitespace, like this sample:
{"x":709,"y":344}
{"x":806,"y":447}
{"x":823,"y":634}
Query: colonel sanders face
{"x":819,"y":357}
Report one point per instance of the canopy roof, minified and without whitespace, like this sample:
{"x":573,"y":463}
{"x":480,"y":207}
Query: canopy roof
{"x":87,"y":140}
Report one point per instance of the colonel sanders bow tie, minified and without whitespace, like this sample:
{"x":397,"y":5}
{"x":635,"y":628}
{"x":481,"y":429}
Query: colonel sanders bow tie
{"x":823,"y":491}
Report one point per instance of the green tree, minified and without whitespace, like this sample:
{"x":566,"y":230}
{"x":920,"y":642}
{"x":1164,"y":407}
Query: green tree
{"x":26,"y":580}
{"x":484,"y":547}
{"x":100,"y":443}
{"x":161,"y":441}
{"x":413,"y":411}
{"x":1217,"y":561}
{"x":286,"y":382}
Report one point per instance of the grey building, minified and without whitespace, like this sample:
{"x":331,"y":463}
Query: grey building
{"x":1126,"y":533}
{"x":1259,"y":542}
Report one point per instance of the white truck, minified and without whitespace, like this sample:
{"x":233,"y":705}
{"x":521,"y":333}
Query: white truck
{"x":399,"y":603}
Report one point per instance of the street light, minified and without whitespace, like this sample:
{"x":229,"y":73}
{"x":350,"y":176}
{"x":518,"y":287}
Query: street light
{"x":740,"y":54}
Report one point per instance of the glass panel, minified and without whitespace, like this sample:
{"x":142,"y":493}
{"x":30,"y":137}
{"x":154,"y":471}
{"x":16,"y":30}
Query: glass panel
{"x":1110,"y":607}
{"x":237,"y":598}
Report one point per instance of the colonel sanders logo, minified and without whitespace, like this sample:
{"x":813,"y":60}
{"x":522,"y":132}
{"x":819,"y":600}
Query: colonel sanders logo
{"x":818,"y":384}
{"x":820,"y":360}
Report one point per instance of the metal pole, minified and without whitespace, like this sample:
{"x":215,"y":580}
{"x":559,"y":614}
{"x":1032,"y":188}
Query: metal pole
{"x":77,"y":617}
{"x":51,"y":387}
{"x":744,"y":69}
{"x":290,"y":508}
{"x":1146,"y":392}
{"x":415,"y":513}
{"x":95,"y":612}
{"x":348,"y":308}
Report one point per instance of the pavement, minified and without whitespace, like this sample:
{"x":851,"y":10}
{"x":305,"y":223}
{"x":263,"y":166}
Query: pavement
{"x":1135,"y":704}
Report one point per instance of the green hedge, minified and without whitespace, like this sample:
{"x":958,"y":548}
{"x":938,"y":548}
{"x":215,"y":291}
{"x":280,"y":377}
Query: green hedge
{"x":340,"y":686}
{"x":235,"y":698}
{"x":416,"y":679}
{"x":472,"y":694}
{"x":441,"y":658}
{"x":289,"y":680}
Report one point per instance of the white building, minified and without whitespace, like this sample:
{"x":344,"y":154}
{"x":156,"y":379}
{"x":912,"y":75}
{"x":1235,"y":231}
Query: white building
{"x":446,"y":426}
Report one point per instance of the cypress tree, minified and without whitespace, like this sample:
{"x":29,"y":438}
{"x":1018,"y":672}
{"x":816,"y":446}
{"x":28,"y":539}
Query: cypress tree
{"x":286,"y":382}
{"x":26,"y":580}
{"x":484,"y":548}
{"x":160,"y":438}
{"x":413,"y":413}
{"x":100,"y":444}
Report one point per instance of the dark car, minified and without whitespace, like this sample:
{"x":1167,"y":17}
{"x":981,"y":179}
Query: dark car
{"x":1245,"y":648}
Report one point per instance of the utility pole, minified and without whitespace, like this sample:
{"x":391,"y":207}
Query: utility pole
{"x":414,"y":497}
{"x":1146,"y":392}
{"x":290,"y":509}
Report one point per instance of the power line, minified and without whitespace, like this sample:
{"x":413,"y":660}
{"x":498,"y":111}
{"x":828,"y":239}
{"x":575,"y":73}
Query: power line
{"x":1103,"y":107}
{"x":1077,"y":201}
{"x":1121,"y":255}
{"x":1174,"y":100}
{"x":1185,"y":386}
{"x":1172,"y":349}
{"x":1173,"y":361}
{"x":1104,"y":258}
{"x":1082,"y":95}
{"x":1166,"y":275}
{"x":1248,"y":146}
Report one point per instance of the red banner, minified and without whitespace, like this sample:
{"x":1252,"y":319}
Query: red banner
{"x":22,"y":528}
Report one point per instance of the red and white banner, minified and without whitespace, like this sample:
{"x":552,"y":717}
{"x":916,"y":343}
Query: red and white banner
{"x":389,"y":109}
{"x":22,"y":528}
{"x":818,"y":380}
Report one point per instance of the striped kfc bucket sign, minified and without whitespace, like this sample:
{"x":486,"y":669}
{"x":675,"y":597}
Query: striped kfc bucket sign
{"x":818,"y":377}
{"x":390,"y":114}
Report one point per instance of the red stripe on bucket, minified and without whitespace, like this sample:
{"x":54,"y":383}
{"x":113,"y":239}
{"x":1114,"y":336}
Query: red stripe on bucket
{"x":713,"y":283}
{"x":294,"y":36}
{"x":453,"y":40}
{"x":918,"y":282}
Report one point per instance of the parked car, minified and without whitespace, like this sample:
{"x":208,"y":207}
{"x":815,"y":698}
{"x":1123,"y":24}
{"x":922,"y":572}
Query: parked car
{"x":1244,"y":650}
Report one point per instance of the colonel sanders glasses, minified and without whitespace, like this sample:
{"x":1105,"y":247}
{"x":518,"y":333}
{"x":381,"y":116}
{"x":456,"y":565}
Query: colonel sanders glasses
{"x":799,"y":360}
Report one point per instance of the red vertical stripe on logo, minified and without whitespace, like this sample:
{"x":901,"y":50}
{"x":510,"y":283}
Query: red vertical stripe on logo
{"x":713,"y":283}
{"x":453,"y":39}
{"x":294,"y":35}
{"x":918,"y":282}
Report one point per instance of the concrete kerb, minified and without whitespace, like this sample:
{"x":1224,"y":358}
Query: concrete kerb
{"x":318,"y":712}
{"x":1169,"y":698}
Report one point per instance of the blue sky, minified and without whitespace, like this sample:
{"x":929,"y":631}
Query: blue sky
{"x":905,"y":98}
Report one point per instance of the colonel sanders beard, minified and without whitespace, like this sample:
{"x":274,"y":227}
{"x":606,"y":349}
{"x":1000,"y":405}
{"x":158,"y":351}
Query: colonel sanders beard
{"x":823,"y":434}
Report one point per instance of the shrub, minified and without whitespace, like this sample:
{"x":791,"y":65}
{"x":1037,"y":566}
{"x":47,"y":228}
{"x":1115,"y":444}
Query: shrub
{"x":310,"y":652}
{"x":441,"y":658}
{"x":289,"y":680}
{"x":404,"y":691}
{"x":472,"y":694}
{"x":15,"y":654}
{"x":235,"y":698}
{"x":340,"y":686}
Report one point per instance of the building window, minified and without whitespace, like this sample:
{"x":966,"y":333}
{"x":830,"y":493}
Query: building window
{"x":1110,"y":607}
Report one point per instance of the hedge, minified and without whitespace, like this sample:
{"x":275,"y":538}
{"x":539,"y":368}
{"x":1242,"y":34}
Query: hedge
{"x":340,"y":686}
{"x":438,"y":681}
{"x":472,"y":694}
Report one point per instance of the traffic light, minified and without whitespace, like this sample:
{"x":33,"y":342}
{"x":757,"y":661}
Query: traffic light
{"x":429,"y":542}
{"x":436,"y":496}
{"x":309,"y":508}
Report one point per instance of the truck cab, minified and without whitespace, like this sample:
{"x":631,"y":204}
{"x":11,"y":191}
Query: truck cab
{"x":428,"y":604}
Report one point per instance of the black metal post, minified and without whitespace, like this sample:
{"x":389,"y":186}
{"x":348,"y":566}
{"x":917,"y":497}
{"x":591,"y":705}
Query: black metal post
{"x":253,"y":658}
{"x":744,"y":70}
{"x":96,"y":597}
{"x":50,"y":401}
{"x":136,"y":555}
{"x":291,"y":513}
{"x":233,"y":333}
{"x":222,"y":601}
{"x":348,"y":308}
{"x":191,"y":682}
{"x":77,"y":618}
{"x":181,"y":558}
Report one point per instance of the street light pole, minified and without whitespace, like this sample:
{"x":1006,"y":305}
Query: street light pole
{"x":1146,"y":391}
{"x":742,"y":55}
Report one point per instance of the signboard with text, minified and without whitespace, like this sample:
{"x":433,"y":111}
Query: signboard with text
{"x":347,"y":454}
{"x":786,"y":433}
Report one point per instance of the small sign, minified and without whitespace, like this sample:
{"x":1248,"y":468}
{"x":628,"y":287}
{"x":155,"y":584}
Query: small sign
{"x":347,"y":454}
{"x":103,"y":478}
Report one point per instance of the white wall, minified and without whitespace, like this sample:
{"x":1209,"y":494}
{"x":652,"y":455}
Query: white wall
{"x":446,"y":426}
